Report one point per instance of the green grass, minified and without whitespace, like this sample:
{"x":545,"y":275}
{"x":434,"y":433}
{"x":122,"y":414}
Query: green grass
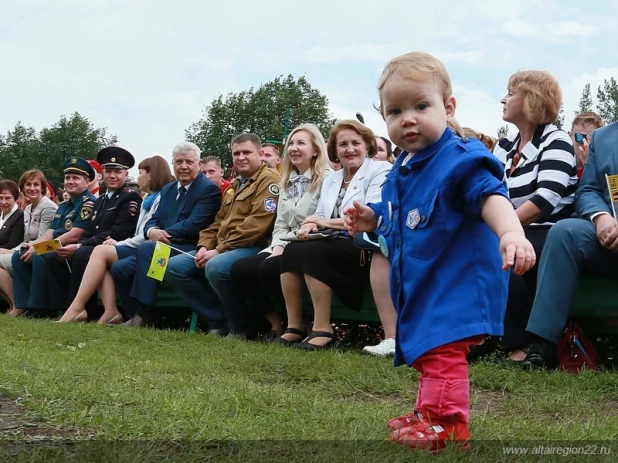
{"x":117,"y":394}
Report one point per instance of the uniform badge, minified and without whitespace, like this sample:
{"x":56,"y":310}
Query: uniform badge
{"x":85,"y":213}
{"x":270,"y":205}
{"x":413,"y":219}
{"x":133,"y":208}
{"x":383,"y":246}
{"x":73,"y":160}
{"x":273,"y":189}
{"x":68,"y":224}
{"x":113,"y":159}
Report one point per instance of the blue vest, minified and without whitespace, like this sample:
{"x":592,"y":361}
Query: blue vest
{"x":446,"y":278}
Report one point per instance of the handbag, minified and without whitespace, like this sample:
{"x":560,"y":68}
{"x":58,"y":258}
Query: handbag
{"x":576,"y":351}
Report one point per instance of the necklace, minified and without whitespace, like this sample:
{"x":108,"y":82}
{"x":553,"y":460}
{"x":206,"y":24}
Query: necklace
{"x":346,"y":181}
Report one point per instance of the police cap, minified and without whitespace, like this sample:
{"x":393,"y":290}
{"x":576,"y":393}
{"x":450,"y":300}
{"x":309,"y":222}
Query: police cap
{"x":115,"y":157}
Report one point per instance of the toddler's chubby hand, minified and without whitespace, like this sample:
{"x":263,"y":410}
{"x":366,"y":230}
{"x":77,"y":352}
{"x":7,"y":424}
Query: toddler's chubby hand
{"x":517,"y":252}
{"x":359,"y":218}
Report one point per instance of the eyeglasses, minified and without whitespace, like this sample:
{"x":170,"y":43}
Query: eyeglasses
{"x":580,"y":137}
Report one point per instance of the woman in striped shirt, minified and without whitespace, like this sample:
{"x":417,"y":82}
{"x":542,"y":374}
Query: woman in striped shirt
{"x":541,"y":177}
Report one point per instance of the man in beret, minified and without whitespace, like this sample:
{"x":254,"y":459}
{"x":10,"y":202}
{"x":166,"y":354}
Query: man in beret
{"x":30,"y":271}
{"x":114,"y":216}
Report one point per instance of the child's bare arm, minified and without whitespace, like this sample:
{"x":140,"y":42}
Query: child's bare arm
{"x":517,"y":252}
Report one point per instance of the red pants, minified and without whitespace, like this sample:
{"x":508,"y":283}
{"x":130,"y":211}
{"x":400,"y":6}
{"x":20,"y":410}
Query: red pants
{"x":444,"y":387}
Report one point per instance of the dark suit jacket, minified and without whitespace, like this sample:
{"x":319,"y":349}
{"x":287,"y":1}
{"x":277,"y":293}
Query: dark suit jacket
{"x":115,"y":217}
{"x":196,"y":211}
{"x":12,"y":232}
{"x":593,"y":193}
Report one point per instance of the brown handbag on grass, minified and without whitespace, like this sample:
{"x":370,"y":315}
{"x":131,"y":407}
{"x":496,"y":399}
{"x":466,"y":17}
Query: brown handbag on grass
{"x":576,"y":351}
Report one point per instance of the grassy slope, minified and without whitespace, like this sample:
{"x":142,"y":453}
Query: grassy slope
{"x":117,"y":383}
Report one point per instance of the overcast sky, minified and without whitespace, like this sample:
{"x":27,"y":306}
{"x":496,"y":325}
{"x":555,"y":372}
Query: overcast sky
{"x":145,"y":69}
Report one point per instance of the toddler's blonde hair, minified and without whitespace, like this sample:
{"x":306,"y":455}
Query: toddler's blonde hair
{"x":417,"y":66}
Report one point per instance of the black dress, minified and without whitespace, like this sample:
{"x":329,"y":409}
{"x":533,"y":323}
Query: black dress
{"x":335,"y":261}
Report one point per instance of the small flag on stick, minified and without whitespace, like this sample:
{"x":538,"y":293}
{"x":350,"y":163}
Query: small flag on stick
{"x":612,"y":185}
{"x":160,"y":259}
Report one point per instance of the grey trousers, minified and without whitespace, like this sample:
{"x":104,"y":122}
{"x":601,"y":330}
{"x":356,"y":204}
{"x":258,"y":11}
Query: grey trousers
{"x":571,"y":248}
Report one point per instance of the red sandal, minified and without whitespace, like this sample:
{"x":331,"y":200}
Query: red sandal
{"x":433,"y":435}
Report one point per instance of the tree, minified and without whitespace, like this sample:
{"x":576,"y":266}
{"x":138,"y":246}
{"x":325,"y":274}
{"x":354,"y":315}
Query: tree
{"x":18,"y":149}
{"x":262,"y":111}
{"x":585,"y":103}
{"x":24,"y":149}
{"x":75,"y":136}
{"x":607,"y":105}
{"x":560,"y":120}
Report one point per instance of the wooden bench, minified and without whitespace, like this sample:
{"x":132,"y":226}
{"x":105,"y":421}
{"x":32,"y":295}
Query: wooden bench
{"x":595,"y":306}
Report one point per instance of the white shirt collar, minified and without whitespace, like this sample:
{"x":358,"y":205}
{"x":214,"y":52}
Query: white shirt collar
{"x":187,"y":186}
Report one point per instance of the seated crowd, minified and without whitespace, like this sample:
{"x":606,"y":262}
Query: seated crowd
{"x":244,"y":251}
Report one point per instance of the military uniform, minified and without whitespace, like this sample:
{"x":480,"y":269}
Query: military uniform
{"x":247,"y":213}
{"x":113,"y":215}
{"x":74,"y":212}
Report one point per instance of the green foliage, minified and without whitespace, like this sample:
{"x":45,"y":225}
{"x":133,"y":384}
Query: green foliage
{"x":23,"y":148}
{"x":17,"y":150}
{"x":262,"y":111}
{"x":608,"y":100}
{"x":585,"y":102}
{"x":560,"y":120}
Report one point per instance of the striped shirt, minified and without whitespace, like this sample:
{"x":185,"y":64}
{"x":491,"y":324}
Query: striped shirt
{"x":546,"y":173}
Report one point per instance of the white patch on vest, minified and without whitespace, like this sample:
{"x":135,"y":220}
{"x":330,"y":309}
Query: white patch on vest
{"x":413,"y":219}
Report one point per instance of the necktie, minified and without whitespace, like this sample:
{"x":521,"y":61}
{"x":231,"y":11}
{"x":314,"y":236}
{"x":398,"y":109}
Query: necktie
{"x":182,"y":191}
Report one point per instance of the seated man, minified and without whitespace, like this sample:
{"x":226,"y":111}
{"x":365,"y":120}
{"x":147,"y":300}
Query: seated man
{"x":210,"y":166}
{"x":114,"y":215}
{"x":241,"y":229}
{"x":589,"y":242}
{"x":186,"y":207}
{"x":30,"y":272}
{"x":581,"y":129}
{"x":270,"y":155}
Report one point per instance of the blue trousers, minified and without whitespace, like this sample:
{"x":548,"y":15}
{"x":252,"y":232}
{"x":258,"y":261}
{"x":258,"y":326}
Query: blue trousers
{"x":210,"y":292}
{"x":571,"y":247}
{"x":30,"y":282}
{"x":133,"y":285}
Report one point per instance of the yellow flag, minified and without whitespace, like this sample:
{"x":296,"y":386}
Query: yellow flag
{"x":160,"y":259}
{"x":46,"y":246}
{"x":612,"y":184}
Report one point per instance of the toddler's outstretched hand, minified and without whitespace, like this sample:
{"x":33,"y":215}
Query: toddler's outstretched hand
{"x":359,"y":218}
{"x":517,"y":252}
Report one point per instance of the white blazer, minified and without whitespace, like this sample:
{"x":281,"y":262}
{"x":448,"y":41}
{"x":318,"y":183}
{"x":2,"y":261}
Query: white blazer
{"x":365,"y":187}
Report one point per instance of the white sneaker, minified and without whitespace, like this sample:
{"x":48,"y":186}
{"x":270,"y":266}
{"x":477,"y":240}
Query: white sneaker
{"x":385,"y":349}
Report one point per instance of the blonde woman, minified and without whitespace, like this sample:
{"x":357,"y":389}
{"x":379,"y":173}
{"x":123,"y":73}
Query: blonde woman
{"x":335,"y":264}
{"x":305,"y":165}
